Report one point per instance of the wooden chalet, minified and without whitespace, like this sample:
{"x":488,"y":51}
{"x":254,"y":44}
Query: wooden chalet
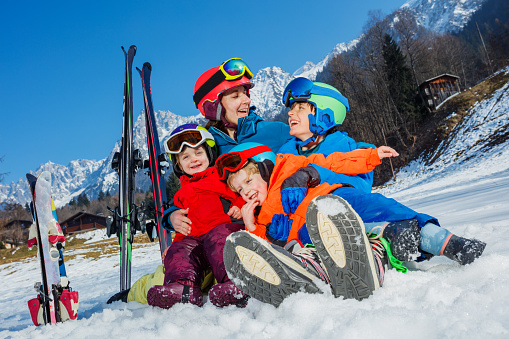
{"x":81,"y":222}
{"x":436,"y":90}
{"x":10,"y":238}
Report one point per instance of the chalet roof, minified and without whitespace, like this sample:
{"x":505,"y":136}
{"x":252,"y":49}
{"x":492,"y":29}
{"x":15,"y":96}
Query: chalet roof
{"x":29,"y":222}
{"x":440,"y":76}
{"x":80,"y":215}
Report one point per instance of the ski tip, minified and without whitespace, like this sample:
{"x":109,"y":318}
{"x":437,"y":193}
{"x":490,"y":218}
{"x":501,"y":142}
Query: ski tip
{"x":148,"y":65}
{"x":122,"y":48}
{"x":139,"y":70}
{"x":133,"y":47}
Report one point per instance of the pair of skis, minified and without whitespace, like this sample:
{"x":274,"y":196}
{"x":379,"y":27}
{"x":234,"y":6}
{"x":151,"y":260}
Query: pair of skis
{"x":55,"y":302}
{"x":128,"y":217}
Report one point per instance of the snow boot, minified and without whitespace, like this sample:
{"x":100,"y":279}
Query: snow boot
{"x":226,"y":294}
{"x":122,"y":296}
{"x":36,"y":312}
{"x":265,"y":271}
{"x":69,"y":303}
{"x":463,"y":250}
{"x":338,"y":233}
{"x":404,"y":237}
{"x":182,"y":291}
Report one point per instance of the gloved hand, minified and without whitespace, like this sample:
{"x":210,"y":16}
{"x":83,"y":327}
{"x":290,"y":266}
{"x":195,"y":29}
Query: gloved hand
{"x":280,"y":227}
{"x":294,"y":188}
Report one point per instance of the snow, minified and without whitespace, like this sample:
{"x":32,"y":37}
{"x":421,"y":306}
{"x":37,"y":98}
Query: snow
{"x":330,"y":206}
{"x":465,"y":187}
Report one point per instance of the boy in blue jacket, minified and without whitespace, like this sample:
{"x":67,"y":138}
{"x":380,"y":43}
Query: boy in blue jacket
{"x":316,"y":111}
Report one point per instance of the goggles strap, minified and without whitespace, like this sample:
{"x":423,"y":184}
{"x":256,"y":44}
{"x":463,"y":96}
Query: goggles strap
{"x":208,"y":86}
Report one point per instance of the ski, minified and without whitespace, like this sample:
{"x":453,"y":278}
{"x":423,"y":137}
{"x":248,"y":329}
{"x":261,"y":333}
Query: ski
{"x":126,"y":175}
{"x":155,"y":157}
{"x":55,"y":302}
{"x":41,"y":203}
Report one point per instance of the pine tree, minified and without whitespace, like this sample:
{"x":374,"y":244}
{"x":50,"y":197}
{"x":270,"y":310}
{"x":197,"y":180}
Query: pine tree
{"x":172,"y":186}
{"x":101,"y":196}
{"x":399,"y":78}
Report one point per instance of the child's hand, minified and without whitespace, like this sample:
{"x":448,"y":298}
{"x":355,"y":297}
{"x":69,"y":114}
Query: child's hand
{"x":234,"y":212}
{"x":247,"y":212}
{"x":386,"y":152}
{"x":180,"y":222}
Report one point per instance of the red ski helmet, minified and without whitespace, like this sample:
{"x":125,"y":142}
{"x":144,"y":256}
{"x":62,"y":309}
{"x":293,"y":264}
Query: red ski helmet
{"x":211,"y":84}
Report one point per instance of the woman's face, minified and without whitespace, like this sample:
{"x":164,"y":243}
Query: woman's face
{"x":236,"y":104}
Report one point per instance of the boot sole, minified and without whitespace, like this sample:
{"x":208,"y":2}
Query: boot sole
{"x":263,"y":272}
{"x":341,"y":242}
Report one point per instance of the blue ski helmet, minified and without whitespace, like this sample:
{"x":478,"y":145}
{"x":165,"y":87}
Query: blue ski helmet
{"x":331,"y":106}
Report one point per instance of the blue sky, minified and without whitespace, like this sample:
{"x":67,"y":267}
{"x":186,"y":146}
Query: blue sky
{"x":62,"y":69}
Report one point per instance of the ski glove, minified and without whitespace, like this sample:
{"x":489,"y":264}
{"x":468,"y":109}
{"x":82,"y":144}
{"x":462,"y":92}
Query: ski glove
{"x":280,"y":227}
{"x":294,"y":188}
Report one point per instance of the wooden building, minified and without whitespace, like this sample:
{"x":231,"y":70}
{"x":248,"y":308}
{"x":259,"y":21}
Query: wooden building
{"x":15,"y":233}
{"x":436,"y":90}
{"x":81,"y":222}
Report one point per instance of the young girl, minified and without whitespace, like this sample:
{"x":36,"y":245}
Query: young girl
{"x":222,"y":96}
{"x":213,"y":211}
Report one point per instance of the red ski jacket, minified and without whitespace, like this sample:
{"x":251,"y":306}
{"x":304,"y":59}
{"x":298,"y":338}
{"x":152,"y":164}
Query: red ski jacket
{"x":202,"y":194}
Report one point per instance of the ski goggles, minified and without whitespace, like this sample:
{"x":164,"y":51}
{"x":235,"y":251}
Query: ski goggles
{"x":230,"y":70}
{"x":301,"y":89}
{"x":234,"y":161}
{"x":193,"y":138}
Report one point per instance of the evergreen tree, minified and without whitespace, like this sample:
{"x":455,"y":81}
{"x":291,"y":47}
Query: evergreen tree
{"x":83,"y":200}
{"x":101,"y":196}
{"x":399,"y":79}
{"x":172,"y":186}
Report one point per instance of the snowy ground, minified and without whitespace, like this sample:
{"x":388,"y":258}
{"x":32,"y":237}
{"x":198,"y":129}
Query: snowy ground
{"x":439,"y":298}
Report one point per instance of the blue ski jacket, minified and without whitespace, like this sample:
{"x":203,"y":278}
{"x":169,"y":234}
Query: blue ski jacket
{"x":253,"y":129}
{"x":336,"y":142}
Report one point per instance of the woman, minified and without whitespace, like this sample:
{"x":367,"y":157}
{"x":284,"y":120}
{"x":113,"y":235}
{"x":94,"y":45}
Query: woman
{"x":222,"y":96}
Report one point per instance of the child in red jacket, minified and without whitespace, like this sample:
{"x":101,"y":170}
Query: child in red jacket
{"x":214,"y":212}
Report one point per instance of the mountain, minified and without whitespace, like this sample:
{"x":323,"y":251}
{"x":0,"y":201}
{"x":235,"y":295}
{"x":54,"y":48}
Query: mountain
{"x":91,"y":176}
{"x":442,"y":16}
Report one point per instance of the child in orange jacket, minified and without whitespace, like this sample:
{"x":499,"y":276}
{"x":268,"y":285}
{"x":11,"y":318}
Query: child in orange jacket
{"x":269,"y":272}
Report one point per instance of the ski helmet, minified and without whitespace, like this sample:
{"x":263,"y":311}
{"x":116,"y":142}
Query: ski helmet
{"x":239,"y":156}
{"x":211,"y":84}
{"x":191,"y":135}
{"x":331,"y":106}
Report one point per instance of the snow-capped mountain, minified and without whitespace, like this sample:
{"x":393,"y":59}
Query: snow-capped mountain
{"x":266,"y":95}
{"x":91,"y":176}
{"x":442,"y":16}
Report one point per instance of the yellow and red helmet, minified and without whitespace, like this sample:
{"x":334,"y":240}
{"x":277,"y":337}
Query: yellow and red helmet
{"x":209,"y":86}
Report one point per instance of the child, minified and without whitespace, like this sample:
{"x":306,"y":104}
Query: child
{"x":212,"y":209}
{"x":258,"y":176}
{"x":334,"y":227}
{"x":316,"y":111}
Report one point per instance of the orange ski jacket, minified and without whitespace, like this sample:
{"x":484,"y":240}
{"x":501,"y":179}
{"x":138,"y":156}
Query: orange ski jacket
{"x":350,"y":163}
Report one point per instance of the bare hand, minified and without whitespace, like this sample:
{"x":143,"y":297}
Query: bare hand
{"x":247,"y":212}
{"x":180,"y":222}
{"x":235,"y":212}
{"x":386,"y":152}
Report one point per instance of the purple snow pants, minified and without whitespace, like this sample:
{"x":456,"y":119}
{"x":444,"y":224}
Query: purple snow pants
{"x":189,"y":258}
